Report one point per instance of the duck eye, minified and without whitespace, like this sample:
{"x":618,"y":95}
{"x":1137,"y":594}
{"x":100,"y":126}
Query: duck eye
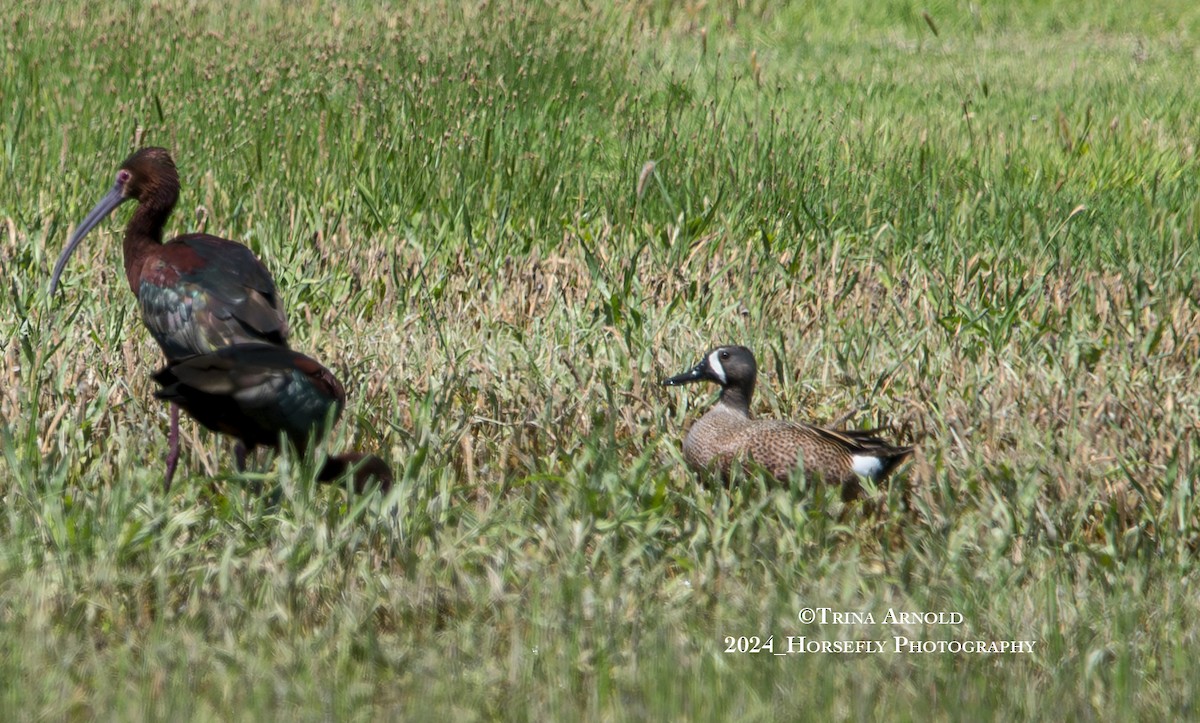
{"x":724,"y":355}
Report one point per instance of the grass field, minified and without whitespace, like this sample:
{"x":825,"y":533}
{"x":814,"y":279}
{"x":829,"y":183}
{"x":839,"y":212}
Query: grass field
{"x":975,"y":223}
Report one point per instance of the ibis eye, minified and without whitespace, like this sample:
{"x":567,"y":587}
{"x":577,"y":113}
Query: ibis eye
{"x":123,"y":176}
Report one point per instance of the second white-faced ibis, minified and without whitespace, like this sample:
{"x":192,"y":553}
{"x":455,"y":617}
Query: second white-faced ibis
{"x":197,"y":293}
{"x":257,"y":392}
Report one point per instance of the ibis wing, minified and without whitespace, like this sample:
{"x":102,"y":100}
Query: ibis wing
{"x":240,"y":287}
{"x":254,"y":391}
{"x":224,"y":375}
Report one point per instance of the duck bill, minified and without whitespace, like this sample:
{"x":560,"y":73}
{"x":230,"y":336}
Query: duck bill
{"x":115,"y":197}
{"x":695,"y":374}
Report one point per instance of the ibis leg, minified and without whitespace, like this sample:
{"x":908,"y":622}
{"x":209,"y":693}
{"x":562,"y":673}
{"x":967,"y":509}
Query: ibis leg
{"x":239,"y":453}
{"x":172,"y":448}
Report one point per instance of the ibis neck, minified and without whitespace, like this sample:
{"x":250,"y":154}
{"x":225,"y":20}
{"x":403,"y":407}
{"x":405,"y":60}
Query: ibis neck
{"x":143,"y":235}
{"x":369,"y":467}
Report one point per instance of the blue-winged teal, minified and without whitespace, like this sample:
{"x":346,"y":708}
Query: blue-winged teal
{"x":727,"y":432}
{"x":255,"y":392}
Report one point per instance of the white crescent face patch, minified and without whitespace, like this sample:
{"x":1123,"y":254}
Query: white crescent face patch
{"x":714,"y":363}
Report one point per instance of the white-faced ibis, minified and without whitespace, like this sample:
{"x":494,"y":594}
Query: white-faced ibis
{"x":256,"y":392}
{"x":197,"y":293}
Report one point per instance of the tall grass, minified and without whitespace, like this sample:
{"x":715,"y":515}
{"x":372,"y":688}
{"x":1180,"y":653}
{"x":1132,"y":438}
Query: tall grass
{"x":503,"y":225}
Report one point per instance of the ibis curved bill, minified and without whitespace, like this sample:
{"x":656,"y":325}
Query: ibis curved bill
{"x":115,"y":197}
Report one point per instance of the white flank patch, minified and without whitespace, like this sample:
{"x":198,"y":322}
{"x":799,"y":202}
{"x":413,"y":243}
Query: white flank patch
{"x":865,"y":465}
{"x":714,"y":363}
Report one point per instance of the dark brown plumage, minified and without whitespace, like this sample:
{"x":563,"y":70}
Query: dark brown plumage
{"x":197,"y":293}
{"x":257,"y":393}
{"x":367,"y":468}
{"x":727,"y":433}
